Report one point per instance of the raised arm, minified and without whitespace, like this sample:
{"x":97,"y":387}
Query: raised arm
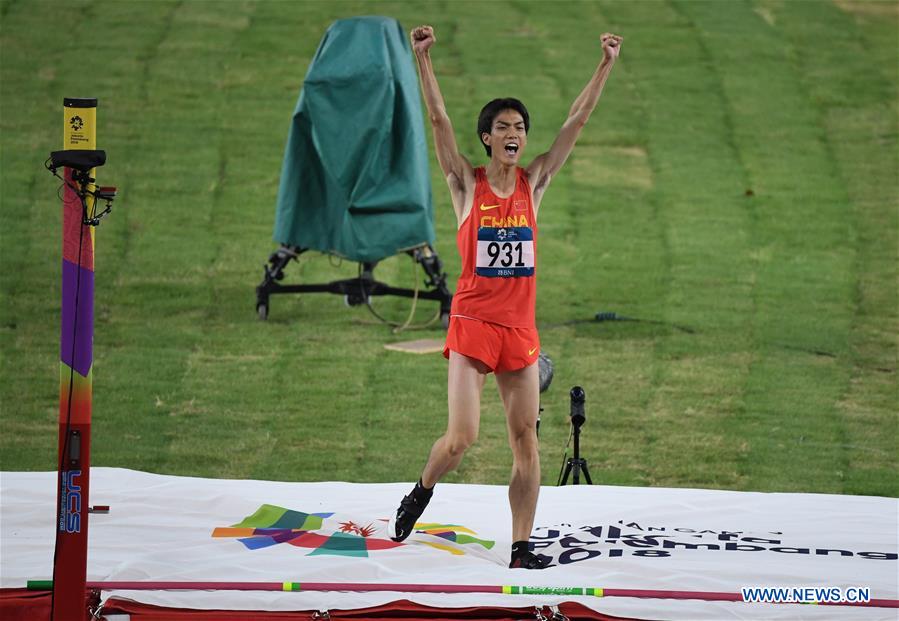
{"x":548,"y":164}
{"x":458,"y":171}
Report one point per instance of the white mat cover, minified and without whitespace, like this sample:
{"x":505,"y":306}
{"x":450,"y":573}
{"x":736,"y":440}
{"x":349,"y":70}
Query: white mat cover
{"x":161,"y":528}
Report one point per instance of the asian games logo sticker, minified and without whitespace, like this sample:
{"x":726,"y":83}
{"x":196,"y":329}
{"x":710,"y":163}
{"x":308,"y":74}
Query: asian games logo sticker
{"x":329,"y":533}
{"x":506,"y":235}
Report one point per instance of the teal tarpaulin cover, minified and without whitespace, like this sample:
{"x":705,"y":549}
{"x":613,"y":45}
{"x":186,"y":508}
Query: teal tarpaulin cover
{"x":355,"y":178}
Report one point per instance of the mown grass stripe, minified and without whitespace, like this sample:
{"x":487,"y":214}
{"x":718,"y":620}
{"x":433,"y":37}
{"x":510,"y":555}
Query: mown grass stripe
{"x":807,"y":271}
{"x":849,"y":90}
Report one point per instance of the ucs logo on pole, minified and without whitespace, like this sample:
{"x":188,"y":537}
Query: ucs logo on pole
{"x":77,"y":123}
{"x":70,"y":508}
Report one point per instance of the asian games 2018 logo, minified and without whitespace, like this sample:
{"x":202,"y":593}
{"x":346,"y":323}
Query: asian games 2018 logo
{"x":331,"y":534}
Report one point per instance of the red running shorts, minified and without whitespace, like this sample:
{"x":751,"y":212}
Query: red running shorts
{"x":502,"y":349}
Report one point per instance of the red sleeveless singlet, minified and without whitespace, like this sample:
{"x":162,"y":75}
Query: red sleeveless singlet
{"x":498,"y":246}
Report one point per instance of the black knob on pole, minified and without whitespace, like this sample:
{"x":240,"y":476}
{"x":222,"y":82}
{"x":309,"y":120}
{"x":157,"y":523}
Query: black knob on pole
{"x":577,"y":406}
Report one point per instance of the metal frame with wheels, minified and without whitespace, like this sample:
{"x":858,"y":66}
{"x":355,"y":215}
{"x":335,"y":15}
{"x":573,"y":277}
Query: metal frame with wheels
{"x":356,"y":291}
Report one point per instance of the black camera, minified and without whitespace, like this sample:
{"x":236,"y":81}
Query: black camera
{"x":578,"y":417}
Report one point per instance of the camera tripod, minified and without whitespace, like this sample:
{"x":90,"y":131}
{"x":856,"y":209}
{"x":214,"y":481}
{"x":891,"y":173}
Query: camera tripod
{"x":576,"y":464}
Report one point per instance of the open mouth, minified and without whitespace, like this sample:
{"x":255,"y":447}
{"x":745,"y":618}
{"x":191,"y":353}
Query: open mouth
{"x":512,"y":148}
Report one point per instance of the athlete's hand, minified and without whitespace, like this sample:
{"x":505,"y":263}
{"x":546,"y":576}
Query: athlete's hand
{"x":422,"y":38}
{"x":611,"y":46}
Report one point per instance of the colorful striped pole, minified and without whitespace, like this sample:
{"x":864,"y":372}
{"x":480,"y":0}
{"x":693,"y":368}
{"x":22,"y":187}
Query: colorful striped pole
{"x":76,"y":360}
{"x":39,"y":585}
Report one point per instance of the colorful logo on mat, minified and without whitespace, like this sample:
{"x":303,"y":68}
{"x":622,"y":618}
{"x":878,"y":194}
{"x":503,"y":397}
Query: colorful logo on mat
{"x":328,"y":533}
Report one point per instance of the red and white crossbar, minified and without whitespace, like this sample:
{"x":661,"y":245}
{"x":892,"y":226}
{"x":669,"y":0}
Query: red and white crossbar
{"x":432,"y":588}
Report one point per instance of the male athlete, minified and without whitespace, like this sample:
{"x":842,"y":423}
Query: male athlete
{"x":492,"y":327}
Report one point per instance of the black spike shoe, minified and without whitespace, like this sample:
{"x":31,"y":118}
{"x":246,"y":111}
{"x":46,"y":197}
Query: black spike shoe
{"x":411,"y":508}
{"x":529,"y":560}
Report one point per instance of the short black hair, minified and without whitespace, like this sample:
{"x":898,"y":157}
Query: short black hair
{"x":492,"y":109}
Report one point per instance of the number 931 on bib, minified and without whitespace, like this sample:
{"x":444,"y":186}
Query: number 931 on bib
{"x":505,"y":252}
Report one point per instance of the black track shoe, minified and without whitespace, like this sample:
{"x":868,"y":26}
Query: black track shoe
{"x":529,"y":560}
{"x":411,"y":508}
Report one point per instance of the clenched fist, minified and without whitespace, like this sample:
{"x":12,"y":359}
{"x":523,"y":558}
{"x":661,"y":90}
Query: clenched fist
{"x":611,"y":45}
{"x":422,"y":38}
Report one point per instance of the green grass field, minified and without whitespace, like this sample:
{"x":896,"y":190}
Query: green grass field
{"x":736,"y":189}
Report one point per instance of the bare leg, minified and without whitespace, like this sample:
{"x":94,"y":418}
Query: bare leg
{"x":464,"y":384}
{"x":520,"y":392}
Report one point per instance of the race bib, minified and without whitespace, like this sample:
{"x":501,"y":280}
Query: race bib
{"x":505,"y":252}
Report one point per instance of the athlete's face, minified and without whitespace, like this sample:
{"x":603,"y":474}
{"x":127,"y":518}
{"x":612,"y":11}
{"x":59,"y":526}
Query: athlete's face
{"x":507,"y":137}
